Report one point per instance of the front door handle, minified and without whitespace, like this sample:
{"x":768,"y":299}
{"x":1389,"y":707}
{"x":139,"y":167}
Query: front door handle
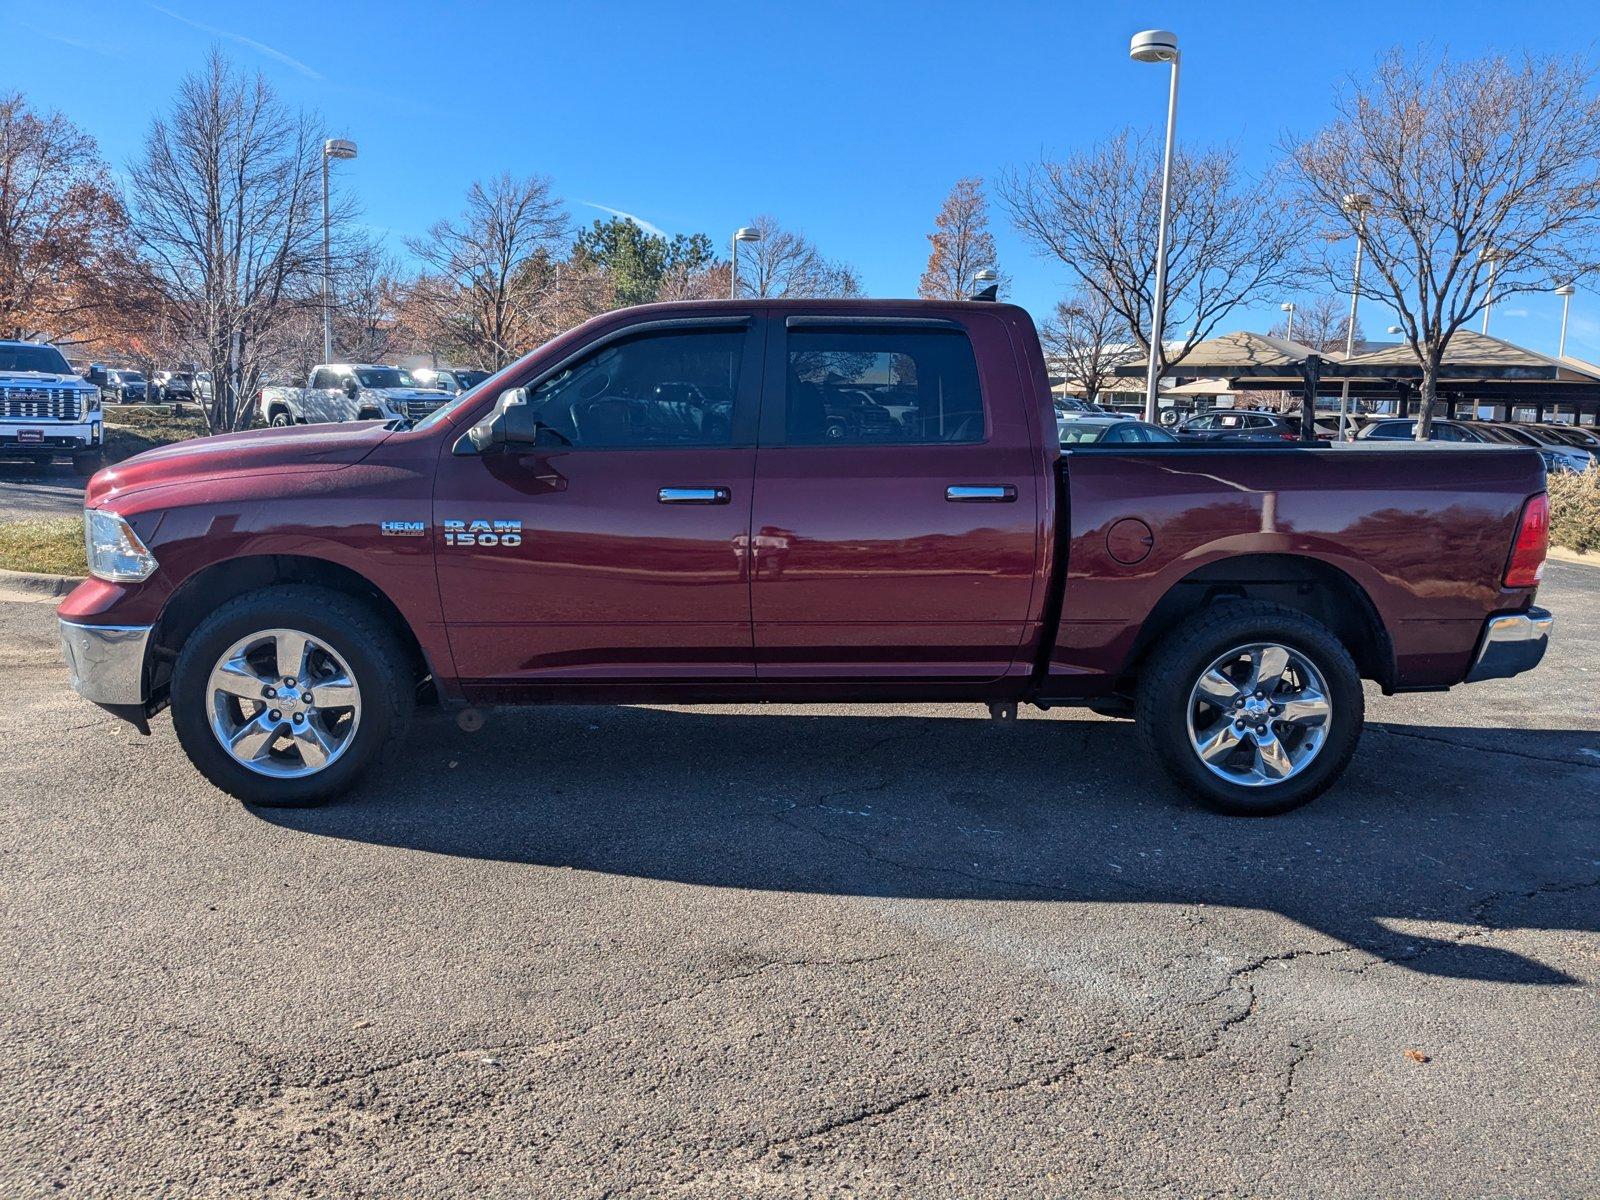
{"x":694,"y":495}
{"x":991,"y":494}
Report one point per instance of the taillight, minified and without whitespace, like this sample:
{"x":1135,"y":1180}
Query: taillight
{"x":1533,"y":538}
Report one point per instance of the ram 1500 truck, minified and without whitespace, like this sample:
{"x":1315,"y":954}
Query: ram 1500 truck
{"x":350,"y":392}
{"x":46,"y":409}
{"x":662,"y":506}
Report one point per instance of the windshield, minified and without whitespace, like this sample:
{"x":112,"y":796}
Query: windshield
{"x":385,"y":377}
{"x":44,"y":359}
{"x":130,"y":376}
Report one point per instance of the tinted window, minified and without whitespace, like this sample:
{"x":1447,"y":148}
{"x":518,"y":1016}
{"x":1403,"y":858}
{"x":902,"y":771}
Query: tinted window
{"x":1393,"y":429}
{"x":882,"y":387}
{"x":666,"y":389}
{"x":321,"y":381}
{"x":1154,"y":433}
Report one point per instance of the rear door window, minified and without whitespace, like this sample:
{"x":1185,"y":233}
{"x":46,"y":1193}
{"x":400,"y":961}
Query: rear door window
{"x":889,"y":386}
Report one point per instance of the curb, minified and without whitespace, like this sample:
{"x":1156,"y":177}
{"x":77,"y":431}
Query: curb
{"x":37,"y":585}
{"x":1581,"y":557}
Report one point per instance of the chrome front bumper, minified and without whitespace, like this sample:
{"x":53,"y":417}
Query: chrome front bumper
{"x":1511,"y":644}
{"x":106,"y":661}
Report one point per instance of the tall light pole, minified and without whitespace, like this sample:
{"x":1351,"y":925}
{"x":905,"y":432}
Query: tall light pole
{"x":332,"y":148}
{"x":742,"y":234}
{"x":1158,"y":46}
{"x":1565,"y":292}
{"x":1492,"y":256}
{"x":1353,"y":202}
{"x":1288,"y":307}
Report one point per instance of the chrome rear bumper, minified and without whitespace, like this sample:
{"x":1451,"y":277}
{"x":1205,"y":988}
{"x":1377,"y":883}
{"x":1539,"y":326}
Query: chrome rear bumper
{"x":106,"y":661}
{"x":1511,"y":644}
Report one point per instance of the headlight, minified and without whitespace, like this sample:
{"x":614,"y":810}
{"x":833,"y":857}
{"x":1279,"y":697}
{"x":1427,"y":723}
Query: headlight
{"x":114,"y":550}
{"x":93,"y":405}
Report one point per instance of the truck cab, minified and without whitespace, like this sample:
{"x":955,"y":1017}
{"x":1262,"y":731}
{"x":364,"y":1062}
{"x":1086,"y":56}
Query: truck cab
{"x":46,"y":409}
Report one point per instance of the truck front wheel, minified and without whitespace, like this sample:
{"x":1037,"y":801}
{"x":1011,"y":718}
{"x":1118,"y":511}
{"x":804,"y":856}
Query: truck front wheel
{"x":284,"y":696}
{"x":1253,"y":708}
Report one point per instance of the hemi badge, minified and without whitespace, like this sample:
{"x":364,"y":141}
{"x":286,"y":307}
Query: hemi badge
{"x":404,"y":528}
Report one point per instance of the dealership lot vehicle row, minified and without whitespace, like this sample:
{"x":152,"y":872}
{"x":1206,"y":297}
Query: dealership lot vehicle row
{"x":782,"y":951}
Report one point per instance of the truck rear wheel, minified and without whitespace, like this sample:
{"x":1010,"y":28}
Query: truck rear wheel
{"x":283,"y":697}
{"x":1253,"y":708}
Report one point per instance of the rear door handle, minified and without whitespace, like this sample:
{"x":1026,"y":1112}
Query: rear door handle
{"x":992,"y":494}
{"x":694,"y":495}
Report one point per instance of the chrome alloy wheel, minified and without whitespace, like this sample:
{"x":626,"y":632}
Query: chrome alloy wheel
{"x":283,"y":704}
{"x":1259,"y":715}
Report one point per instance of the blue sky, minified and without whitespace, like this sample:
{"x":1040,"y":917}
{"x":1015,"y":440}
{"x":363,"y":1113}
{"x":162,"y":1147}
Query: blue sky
{"x":847,"y":120}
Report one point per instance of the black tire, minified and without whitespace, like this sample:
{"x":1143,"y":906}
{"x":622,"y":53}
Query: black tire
{"x":280,"y":419}
{"x":1173,"y":668}
{"x":375,"y":657}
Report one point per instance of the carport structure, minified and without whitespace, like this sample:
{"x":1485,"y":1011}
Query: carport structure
{"x":1254,"y":362}
{"x":1477,"y":370}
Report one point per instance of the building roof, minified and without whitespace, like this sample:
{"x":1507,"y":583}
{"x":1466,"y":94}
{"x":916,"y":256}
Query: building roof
{"x":1474,"y":356}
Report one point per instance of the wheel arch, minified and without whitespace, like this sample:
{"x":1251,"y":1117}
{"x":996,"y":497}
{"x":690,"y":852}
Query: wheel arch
{"x":1310,"y":585}
{"x":211,"y":586}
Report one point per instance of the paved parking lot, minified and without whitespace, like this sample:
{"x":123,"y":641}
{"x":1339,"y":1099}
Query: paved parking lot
{"x":779,"y":951}
{"x":27,"y":490}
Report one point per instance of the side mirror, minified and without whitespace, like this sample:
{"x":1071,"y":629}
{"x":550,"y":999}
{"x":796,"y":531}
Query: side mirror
{"x":351,"y":388}
{"x":510,"y":426}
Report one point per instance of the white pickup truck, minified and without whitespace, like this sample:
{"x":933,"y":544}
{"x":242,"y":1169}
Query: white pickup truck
{"x":350,"y":392}
{"x":46,"y":408}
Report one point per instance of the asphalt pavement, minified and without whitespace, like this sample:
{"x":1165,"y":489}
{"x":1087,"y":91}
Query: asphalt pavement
{"x":27,"y":490}
{"x":781,"y":951}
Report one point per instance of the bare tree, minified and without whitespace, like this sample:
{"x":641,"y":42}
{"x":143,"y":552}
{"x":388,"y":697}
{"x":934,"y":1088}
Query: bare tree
{"x":230,"y":228}
{"x":483,"y":286}
{"x":1321,"y":323}
{"x":62,"y":229}
{"x":1462,"y":172}
{"x":785,"y":265}
{"x":1229,"y":239}
{"x":1088,"y":338}
{"x":962,"y":243}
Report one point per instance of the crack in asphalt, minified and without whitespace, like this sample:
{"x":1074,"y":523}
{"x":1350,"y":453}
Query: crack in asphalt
{"x":1444,"y":741}
{"x":556,"y":1043}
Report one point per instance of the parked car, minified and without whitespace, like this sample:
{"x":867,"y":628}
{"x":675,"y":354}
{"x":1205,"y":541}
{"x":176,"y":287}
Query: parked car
{"x":1404,"y":429}
{"x":1571,"y":435}
{"x":1119,"y":431}
{"x":46,"y":409}
{"x":1557,"y":456}
{"x":454,"y":380}
{"x":174,"y":386}
{"x":350,"y":392}
{"x":1239,"y":425}
{"x":120,"y":385}
{"x":291,"y":593}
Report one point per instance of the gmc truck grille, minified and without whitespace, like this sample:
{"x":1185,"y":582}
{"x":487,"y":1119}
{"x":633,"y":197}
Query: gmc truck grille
{"x":417,"y":409}
{"x":40,"y":404}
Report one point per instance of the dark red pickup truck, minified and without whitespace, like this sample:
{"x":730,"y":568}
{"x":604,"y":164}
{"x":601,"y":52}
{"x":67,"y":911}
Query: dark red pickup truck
{"x":834,"y":500}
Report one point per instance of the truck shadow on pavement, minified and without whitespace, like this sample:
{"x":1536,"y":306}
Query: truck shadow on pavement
{"x":1435,"y":840}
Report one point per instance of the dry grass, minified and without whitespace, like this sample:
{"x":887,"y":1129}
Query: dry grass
{"x":1575,"y":509}
{"x":43,"y":545}
{"x":131,"y":430}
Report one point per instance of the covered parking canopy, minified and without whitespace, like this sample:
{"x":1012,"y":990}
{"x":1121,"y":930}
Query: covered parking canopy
{"x":1476,"y":369}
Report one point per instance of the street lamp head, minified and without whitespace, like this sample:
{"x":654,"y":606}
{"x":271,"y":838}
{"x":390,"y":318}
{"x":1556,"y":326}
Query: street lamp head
{"x":746,"y":234}
{"x":1287,"y":306}
{"x":339,"y":148}
{"x":986,"y":276}
{"x":1154,"y":46}
{"x":1492,"y":254}
{"x":1356,"y":202}
{"x":1395,"y":329}
{"x":1566,"y":289}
